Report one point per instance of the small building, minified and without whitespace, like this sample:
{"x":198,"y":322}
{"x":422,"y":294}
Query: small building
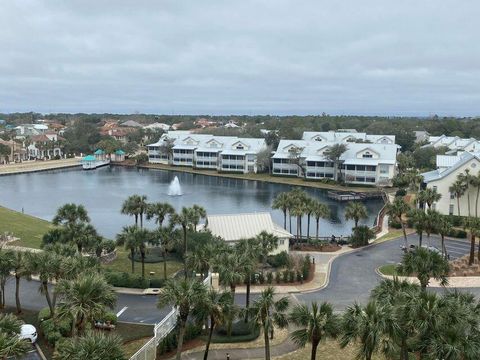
{"x":100,"y":155}
{"x":235,"y":227}
{"x":118,"y":156}
{"x":131,"y":123}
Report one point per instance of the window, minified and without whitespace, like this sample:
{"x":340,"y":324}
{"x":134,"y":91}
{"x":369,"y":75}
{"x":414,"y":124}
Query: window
{"x":451,"y":209}
{"x":434,"y":206}
{"x":452,"y":195}
{"x":281,"y":241}
{"x":350,"y":167}
{"x":240,"y":147}
{"x":367,"y":155}
{"x":434,"y":188}
{"x":383,"y":169}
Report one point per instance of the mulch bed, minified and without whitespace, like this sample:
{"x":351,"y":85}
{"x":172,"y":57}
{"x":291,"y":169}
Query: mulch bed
{"x":319,"y":247}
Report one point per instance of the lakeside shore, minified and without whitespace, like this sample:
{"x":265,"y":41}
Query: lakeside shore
{"x":260,"y":177}
{"x":37,"y":166}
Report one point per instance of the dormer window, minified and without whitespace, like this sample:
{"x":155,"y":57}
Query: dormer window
{"x":240,"y":147}
{"x":318,"y":139}
{"x":367,"y":155}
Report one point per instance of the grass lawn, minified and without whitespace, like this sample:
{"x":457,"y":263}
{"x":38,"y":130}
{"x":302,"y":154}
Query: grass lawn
{"x":392,"y":234}
{"x":28,"y":228}
{"x":388,"y":270}
{"x":329,"y":350}
{"x":123,"y":264}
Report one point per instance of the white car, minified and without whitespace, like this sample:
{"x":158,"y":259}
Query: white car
{"x":28,"y":332}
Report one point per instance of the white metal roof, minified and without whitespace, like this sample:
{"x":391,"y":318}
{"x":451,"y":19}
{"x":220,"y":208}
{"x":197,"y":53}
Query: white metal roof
{"x":234,"y":227}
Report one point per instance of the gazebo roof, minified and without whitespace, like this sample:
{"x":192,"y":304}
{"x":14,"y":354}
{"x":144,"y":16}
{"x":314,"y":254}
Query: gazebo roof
{"x":89,"y":158}
{"x":99,"y":152}
{"x":119,"y":152}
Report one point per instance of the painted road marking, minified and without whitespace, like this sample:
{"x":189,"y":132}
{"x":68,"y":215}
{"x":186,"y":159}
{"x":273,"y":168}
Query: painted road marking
{"x":122,"y":311}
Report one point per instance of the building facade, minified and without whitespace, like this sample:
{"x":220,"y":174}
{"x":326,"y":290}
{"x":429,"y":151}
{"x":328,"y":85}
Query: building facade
{"x":448,"y":169}
{"x":368,"y":159}
{"x":202,"y":151}
{"x":454,"y":144}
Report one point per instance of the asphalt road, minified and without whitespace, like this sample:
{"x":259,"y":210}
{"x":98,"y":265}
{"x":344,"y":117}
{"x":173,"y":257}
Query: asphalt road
{"x":352,"y":278}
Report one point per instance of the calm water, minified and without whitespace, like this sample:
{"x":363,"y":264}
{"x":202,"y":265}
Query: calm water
{"x":102,"y":192}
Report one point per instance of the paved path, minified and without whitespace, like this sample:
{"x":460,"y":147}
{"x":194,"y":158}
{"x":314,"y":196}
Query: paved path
{"x":34,"y":166}
{"x":352,"y":277}
{"x":255,"y":353}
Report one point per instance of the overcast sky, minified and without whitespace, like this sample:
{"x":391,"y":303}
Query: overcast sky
{"x":404,"y":57}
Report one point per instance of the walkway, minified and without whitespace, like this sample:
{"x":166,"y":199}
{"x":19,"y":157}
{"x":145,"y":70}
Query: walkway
{"x":35,"y":166}
{"x":255,"y":353}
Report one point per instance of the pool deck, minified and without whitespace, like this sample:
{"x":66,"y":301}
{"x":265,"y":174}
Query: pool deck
{"x":294,"y":181}
{"x":37,"y":166}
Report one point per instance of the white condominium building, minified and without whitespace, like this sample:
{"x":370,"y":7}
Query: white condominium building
{"x":372,"y":162}
{"x":453,"y":143}
{"x":202,"y":151}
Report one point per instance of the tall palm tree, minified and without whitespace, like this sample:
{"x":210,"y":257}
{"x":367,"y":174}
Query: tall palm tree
{"x":397,"y":209}
{"x":472,"y":224}
{"x":267,"y":243}
{"x":85,"y":299}
{"x":159,"y":211}
{"x":425,"y":264}
{"x":282,"y":202}
{"x":185,"y":295}
{"x":83,"y":235}
{"x":320,"y":211}
{"x":315,"y":324}
{"x":431,"y":222}
{"x":267,"y":313}
{"x":418,"y":218}
{"x":6,"y":266}
{"x":334,"y":153}
{"x":475,"y":182}
{"x":298,"y":210}
{"x":458,"y":188}
{"x":309,"y":208}
{"x":365,"y":326}
{"x":198,"y":214}
{"x":11,"y":346}
{"x":135,"y":205}
{"x":249,"y":249}
{"x":166,"y":236}
{"x":231,"y":267}
{"x":128,"y":239}
{"x":22,"y":269}
{"x":185,"y":219}
{"x":355,"y":211}
{"x":466,"y":180}
{"x":444,"y":227}
{"x":216,"y":308}
{"x":46,"y":265}
{"x":92,"y":345}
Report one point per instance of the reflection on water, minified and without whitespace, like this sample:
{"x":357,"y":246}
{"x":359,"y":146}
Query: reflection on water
{"x":102,"y":192}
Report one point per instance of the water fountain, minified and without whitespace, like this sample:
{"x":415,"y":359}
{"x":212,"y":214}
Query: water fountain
{"x":175,"y":189}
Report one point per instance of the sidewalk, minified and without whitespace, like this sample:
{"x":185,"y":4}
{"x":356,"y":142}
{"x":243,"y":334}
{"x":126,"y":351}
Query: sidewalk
{"x":453,"y":282}
{"x":35,"y":166}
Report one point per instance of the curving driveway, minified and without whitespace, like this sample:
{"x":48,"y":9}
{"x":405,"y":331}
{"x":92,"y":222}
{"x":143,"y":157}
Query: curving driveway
{"x":352,"y":277}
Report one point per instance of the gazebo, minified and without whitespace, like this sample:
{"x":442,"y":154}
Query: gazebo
{"x":100,"y":155}
{"x":118,"y":156}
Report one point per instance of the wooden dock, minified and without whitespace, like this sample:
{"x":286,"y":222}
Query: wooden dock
{"x":353,"y":196}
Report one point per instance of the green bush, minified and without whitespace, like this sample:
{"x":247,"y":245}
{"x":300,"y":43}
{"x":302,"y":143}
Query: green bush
{"x":401,"y":192}
{"x":261,"y":278}
{"x":169,"y":342}
{"x":110,"y":317}
{"x":299,"y":277}
{"x":44,"y":314}
{"x":306,"y":267}
{"x":54,"y":329}
{"x":269,"y":278}
{"x":461,"y":234}
{"x":121,"y":279}
{"x":393,"y":223}
{"x":239,"y":328}
{"x":157,"y":283}
{"x":361,"y":235}
{"x":291,"y":276}
{"x":456,"y":220}
{"x":279,"y":260}
{"x":278,"y":277}
{"x":285,"y":275}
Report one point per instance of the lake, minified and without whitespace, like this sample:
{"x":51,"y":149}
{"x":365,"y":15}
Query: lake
{"x":103,"y":190}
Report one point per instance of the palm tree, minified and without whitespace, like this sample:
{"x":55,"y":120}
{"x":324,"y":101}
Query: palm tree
{"x":198,"y":214}
{"x":472,"y":224}
{"x":282,"y":202}
{"x":466,"y":179}
{"x":475,"y":182}
{"x":128,"y":239}
{"x":365,"y":326}
{"x":185,"y":295}
{"x":231,"y":266}
{"x":216,"y":308}
{"x":425,"y":264}
{"x":92,"y":345}
{"x":249,"y":249}
{"x":418,"y":218}
{"x":46,"y":265}
{"x":333,"y":153}
{"x":298,"y":210}
{"x":268,"y":313}
{"x":166,"y":236}
{"x":431,"y":222}
{"x":355,"y":211}
{"x":85,"y":299}
{"x":267,"y":243}
{"x":6,"y":266}
{"x":309,"y":207}
{"x":135,"y":205}
{"x":444,"y":227}
{"x":396,"y":210}
{"x":316,"y":324}
{"x":185,"y":219}
{"x":159,"y":211}
{"x":21,"y":269}
{"x":11,"y":346}
{"x":83,"y":235}
{"x":71,"y":214}
{"x":458,"y":188}
{"x":320,"y":211}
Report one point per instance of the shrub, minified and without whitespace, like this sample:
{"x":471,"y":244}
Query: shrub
{"x":361,"y":235}
{"x":44,"y":314}
{"x":110,"y":317}
{"x":278,"y":277}
{"x":253,"y":279}
{"x":456,"y":220}
{"x":261,"y":278}
{"x":299,"y":277}
{"x":291,"y":276}
{"x":269,"y":278}
{"x":279,"y":260}
{"x":285,"y":275}
{"x":55,"y":329}
{"x":401,"y":192}
{"x":393,"y":223}
{"x":462,"y":234}
{"x":169,"y":342}
{"x":121,"y":279}
{"x":239,"y":328}
{"x":157,"y":283}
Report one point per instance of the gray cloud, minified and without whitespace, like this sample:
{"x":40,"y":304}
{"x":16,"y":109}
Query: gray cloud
{"x":221,"y":57}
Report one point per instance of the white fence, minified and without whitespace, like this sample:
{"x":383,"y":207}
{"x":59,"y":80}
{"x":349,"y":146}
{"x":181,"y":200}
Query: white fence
{"x":162,"y":329}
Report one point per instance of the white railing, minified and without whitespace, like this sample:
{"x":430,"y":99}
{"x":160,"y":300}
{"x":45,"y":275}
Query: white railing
{"x":161,"y":330}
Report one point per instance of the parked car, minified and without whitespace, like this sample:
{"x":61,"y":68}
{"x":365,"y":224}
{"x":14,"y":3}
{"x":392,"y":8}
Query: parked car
{"x":432,"y":248}
{"x":28,"y":332}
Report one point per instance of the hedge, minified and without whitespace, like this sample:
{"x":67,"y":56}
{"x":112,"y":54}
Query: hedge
{"x":121,"y":279}
{"x":169,"y":342}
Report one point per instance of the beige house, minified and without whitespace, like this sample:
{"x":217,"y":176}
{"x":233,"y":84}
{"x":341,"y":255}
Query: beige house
{"x":234,"y":227}
{"x":448,"y":168}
